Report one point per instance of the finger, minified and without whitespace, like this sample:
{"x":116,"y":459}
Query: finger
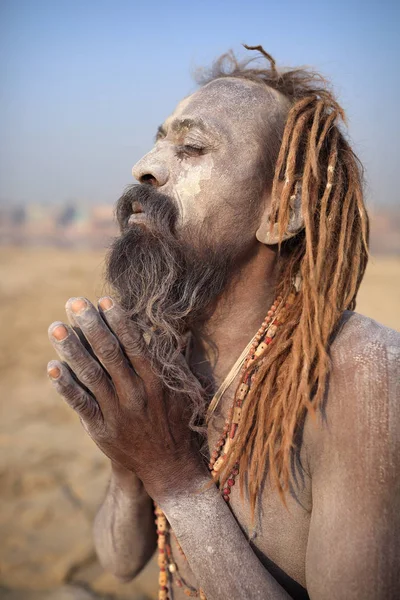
{"x":78,"y":399}
{"x":104,"y":344}
{"x":78,"y":330}
{"x":129,"y":336}
{"x":86,"y":369}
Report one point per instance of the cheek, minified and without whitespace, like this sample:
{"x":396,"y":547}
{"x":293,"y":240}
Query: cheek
{"x":192,"y":185}
{"x":220,"y":192}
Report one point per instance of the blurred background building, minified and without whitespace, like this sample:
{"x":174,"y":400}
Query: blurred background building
{"x":73,"y":225}
{"x":69,"y":225}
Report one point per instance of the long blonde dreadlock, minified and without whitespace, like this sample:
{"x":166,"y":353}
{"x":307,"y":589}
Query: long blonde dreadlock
{"x":330,"y":255}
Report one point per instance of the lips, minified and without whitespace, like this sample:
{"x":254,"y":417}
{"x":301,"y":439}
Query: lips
{"x":136,"y":208}
{"x":138,"y":215}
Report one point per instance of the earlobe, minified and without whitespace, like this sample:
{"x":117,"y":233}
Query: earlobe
{"x":270,"y":236}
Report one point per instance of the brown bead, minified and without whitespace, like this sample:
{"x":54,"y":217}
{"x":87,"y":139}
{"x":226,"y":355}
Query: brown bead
{"x":161,"y":560}
{"x":232,"y":432}
{"x":242,"y":391}
{"x":261,"y":349}
{"x":219,"y":463}
{"x":163,"y":578}
{"x":227,"y":446}
{"x":237,"y":415}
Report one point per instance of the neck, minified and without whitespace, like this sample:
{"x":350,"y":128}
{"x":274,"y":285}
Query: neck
{"x":238,"y":314}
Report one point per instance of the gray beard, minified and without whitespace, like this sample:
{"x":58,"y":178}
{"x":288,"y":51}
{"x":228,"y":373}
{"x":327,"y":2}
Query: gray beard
{"x":166,"y":285}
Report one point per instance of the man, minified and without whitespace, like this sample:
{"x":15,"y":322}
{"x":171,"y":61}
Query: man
{"x":248,"y":217}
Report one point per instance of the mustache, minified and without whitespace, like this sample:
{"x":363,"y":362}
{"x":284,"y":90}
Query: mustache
{"x":161,"y":211}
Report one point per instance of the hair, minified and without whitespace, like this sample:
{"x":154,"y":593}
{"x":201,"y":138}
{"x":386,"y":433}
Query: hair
{"x":165,"y":283}
{"x":330,"y":255}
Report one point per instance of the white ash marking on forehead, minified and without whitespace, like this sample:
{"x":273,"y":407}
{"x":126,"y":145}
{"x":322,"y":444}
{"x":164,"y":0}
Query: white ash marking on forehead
{"x":229,"y":94}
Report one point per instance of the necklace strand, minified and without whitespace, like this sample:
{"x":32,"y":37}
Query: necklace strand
{"x":263,"y":338}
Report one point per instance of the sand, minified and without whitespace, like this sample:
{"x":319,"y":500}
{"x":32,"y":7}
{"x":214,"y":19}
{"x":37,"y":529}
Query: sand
{"x":52,"y":477}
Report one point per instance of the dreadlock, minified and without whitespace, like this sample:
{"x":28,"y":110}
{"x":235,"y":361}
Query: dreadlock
{"x":330,"y":255}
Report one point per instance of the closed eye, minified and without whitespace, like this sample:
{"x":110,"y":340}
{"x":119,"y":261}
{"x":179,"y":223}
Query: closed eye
{"x":190,"y":150}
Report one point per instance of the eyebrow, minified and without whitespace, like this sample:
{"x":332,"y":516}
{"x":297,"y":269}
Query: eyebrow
{"x":180,"y":125}
{"x":161,"y":132}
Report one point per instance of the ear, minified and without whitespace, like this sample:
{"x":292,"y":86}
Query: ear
{"x":269,"y":236}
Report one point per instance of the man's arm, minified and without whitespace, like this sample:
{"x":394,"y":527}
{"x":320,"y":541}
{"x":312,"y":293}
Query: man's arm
{"x":354,"y":540}
{"x":143,"y":427}
{"x":217,"y":550}
{"x":124,"y":529}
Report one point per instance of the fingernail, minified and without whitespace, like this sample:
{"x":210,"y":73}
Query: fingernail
{"x":106,"y":303}
{"x":78,"y":306}
{"x":68,"y":302}
{"x":54,"y":372}
{"x":60,"y":332}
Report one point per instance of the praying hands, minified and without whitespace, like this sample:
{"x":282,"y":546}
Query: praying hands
{"x":107,"y":379}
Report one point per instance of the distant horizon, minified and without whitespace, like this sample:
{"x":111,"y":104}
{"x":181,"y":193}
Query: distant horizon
{"x":85,"y":85}
{"x":375,"y":208}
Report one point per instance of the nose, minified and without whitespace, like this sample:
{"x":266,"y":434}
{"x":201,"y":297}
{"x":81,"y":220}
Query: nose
{"x":151,"y":169}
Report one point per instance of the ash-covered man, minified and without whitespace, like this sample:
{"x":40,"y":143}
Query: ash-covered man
{"x":229,"y":345}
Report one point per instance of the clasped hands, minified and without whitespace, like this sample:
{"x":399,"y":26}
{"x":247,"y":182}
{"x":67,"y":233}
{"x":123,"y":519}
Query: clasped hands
{"x":106,"y":377}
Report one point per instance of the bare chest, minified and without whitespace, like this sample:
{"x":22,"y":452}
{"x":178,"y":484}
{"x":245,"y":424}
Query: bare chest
{"x":278,"y":534}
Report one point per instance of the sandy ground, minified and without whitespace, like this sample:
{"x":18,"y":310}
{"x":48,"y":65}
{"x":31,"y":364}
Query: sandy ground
{"x":52,"y":477}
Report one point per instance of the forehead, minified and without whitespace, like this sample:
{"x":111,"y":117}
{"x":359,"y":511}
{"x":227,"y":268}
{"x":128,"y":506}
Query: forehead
{"x":227,"y":104}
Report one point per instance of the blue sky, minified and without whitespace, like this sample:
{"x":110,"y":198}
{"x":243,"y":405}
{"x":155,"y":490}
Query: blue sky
{"x":84,"y":84}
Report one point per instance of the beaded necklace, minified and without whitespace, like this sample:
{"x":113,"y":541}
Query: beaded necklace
{"x":263,"y":338}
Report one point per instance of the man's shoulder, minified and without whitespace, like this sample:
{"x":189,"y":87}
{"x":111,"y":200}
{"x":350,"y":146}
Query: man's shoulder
{"x":364,"y":377}
{"x":360,"y":340}
{"x":362,"y":394}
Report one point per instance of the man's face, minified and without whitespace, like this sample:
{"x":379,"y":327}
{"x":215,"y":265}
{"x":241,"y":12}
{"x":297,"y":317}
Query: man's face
{"x":208,"y":158}
{"x":203,"y":193}
{"x":202,"y":197}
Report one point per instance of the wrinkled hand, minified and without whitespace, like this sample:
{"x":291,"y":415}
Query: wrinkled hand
{"x":138,"y":423}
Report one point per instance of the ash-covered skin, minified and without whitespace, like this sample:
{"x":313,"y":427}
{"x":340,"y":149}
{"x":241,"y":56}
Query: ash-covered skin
{"x":339,"y":535}
{"x":198,"y":158}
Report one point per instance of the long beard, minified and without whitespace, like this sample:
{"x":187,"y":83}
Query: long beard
{"x":166,"y":284}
